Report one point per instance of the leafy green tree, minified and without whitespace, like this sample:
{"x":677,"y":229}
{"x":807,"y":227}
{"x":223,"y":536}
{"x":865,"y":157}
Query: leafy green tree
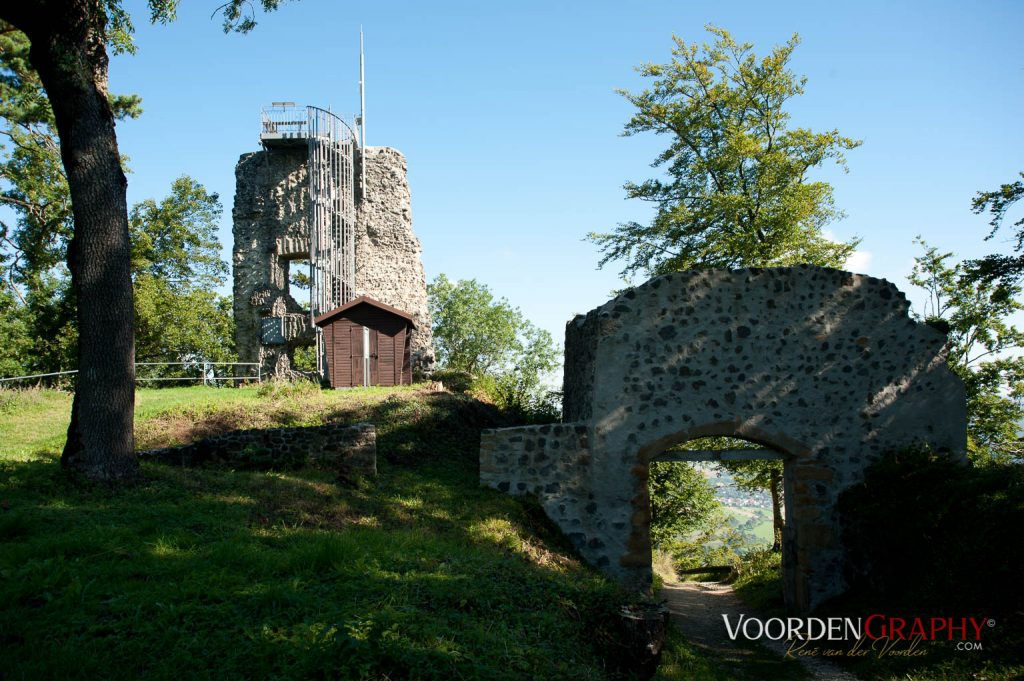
{"x":737,"y":191}
{"x":996,"y":267}
{"x":299,"y":283}
{"x":175,"y":253}
{"x":33,"y":245}
{"x":68,"y":50}
{"x":981,"y":340}
{"x":175,"y":240}
{"x":50,"y":315}
{"x":682,"y":502}
{"x":14,"y":331}
{"x":173,"y":323}
{"x":176,"y":264}
{"x":473,"y":332}
{"x":491,"y":340}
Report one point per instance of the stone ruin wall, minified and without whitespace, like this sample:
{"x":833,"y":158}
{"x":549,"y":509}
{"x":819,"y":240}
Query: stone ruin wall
{"x":336,"y":446}
{"x":388,"y":254}
{"x":271,"y":207}
{"x":823,"y":366}
{"x":271,"y":218}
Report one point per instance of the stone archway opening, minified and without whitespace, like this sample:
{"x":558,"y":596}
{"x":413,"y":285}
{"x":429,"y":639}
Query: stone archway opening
{"x":822,"y":366}
{"x":721,"y":444}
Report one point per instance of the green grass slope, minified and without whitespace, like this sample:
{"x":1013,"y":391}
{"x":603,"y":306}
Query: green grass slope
{"x":215,"y":573}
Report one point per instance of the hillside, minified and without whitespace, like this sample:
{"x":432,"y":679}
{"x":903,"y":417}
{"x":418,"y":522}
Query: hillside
{"x":284,"y":574}
{"x":418,"y":573}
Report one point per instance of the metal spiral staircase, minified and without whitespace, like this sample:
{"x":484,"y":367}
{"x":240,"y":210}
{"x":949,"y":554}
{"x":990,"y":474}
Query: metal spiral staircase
{"x":331,"y":152}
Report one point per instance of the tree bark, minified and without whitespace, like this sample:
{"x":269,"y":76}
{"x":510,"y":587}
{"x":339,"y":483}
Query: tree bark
{"x":775,"y":484}
{"x":69,"y":53}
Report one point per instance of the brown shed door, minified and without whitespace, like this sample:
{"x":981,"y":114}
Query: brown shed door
{"x":328,"y":333}
{"x":407,"y":358}
{"x":341,"y":355}
{"x":385,"y":358}
{"x":397,"y":355}
{"x":356,"y":354}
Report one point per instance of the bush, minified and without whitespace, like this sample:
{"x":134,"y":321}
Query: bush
{"x":277,"y":388}
{"x":759,"y":580}
{"x":718,"y":545}
{"x":454,"y":380}
{"x":928,"y":534}
{"x":523,"y":406}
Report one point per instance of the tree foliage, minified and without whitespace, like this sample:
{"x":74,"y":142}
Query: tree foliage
{"x":181,"y":324}
{"x":682,"y":502}
{"x":14,"y":331}
{"x":1000,"y":267}
{"x":473,"y":332}
{"x":176,"y":265}
{"x":37,"y":227}
{"x":492,"y":341}
{"x":981,"y":344}
{"x":32,"y":180}
{"x":736,"y":191}
{"x":68,"y":42}
{"x":175,"y":253}
{"x":175,"y":240}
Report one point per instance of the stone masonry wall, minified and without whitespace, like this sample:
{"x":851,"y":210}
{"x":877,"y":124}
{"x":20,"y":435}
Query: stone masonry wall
{"x":578,"y":368}
{"x":351,"y":448}
{"x":271,"y":222}
{"x":388,"y":254}
{"x":271,"y":207}
{"x":823,"y":366}
{"x":554,"y":464}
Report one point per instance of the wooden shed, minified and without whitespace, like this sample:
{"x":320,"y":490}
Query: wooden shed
{"x":367,"y":343}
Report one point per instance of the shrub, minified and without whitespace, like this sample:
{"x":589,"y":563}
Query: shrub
{"x":925,"y":533}
{"x":454,"y":380}
{"x":287,"y":388}
{"x":759,"y":580}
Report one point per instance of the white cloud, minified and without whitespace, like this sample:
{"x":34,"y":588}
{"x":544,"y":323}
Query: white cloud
{"x":858,"y":262}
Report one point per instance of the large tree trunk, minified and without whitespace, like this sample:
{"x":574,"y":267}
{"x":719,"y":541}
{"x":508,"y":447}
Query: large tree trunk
{"x":69,"y":53}
{"x":775,"y":484}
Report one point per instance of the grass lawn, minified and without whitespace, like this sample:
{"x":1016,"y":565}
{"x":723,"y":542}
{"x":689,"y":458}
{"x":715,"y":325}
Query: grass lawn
{"x":291,"y":574}
{"x":285,"y":574}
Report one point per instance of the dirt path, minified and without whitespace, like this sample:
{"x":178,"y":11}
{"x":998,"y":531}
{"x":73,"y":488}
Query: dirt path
{"x":697,"y":609}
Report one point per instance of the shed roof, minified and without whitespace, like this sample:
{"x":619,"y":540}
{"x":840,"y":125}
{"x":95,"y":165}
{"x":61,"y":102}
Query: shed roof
{"x":328,"y":317}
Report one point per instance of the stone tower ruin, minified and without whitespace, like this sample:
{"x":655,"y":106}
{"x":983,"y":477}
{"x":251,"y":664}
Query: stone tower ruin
{"x":314,"y":200}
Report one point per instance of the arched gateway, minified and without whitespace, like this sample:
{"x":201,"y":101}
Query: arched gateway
{"x":823,"y":366}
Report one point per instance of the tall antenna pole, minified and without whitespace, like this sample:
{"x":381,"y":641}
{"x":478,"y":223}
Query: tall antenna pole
{"x":362,"y":115}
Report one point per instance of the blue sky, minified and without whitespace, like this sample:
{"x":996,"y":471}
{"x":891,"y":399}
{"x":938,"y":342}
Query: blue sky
{"x":510,"y":122}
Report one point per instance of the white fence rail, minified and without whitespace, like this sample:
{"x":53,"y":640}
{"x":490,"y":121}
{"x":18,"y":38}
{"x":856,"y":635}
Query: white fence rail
{"x":206,"y":372}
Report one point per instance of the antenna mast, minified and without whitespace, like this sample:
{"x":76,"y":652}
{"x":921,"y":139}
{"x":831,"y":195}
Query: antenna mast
{"x":362,"y":117}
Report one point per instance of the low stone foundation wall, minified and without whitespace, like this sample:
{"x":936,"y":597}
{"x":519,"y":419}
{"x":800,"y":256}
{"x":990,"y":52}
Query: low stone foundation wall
{"x":532,"y":459}
{"x":553,"y":463}
{"x":352,"y":449}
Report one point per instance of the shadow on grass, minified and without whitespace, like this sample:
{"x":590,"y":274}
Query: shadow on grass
{"x":417,"y":574}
